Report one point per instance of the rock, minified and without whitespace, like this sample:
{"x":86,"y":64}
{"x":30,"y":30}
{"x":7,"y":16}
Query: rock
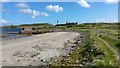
{"x":81,"y":65}
{"x":37,"y":53}
{"x":33,"y":60}
{"x":32,"y":56}
{"x":65,"y":44}
{"x":77,"y":61}
{"x":66,"y":49}
{"x":19,"y":54}
{"x":33,"y":53}
{"x":41,"y":60}
{"x":45,"y":43}
{"x":4,"y":61}
{"x":37,"y":47}
{"x":76,"y":42}
{"x":30,"y":65}
{"x":73,"y":46}
{"x":18,"y":60}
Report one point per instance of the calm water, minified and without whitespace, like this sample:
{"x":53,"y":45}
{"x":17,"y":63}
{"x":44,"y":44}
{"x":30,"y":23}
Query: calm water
{"x":6,"y":31}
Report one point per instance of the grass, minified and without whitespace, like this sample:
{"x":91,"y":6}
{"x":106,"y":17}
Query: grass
{"x":109,"y":59}
{"x":112,"y":32}
{"x":111,"y":41}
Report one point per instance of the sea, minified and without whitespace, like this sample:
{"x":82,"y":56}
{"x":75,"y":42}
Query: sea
{"x":5,"y":32}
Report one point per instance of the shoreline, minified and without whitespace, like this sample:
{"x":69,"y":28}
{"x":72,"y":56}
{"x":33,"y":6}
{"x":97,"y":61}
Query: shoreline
{"x":37,"y":49}
{"x":14,"y":37}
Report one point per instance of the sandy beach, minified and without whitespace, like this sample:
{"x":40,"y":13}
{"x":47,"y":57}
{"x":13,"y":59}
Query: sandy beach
{"x":36,"y":50}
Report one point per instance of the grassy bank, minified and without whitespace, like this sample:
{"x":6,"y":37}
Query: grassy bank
{"x":91,"y":52}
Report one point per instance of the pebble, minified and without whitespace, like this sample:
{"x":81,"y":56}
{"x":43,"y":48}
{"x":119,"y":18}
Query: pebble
{"x":77,"y":61}
{"x":4,"y":61}
{"x":33,"y":60}
{"x":41,"y":60}
{"x":30,"y":65}
{"x":18,"y":60}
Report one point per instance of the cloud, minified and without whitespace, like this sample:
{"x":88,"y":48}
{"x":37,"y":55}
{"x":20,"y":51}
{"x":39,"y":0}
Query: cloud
{"x":37,"y":13}
{"x":33,"y":17}
{"x":28,"y":11}
{"x":109,"y":20}
{"x":83,"y":3}
{"x":4,"y":0}
{"x":3,"y":21}
{"x":55,"y":8}
{"x":22,"y":5}
{"x":34,"y":13}
{"x":112,"y":1}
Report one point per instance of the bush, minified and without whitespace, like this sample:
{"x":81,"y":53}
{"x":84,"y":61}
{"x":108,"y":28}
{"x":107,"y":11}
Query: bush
{"x":118,"y":45}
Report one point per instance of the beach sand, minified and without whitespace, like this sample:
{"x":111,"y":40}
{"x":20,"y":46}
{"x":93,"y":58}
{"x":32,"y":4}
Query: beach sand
{"x":35,"y":50}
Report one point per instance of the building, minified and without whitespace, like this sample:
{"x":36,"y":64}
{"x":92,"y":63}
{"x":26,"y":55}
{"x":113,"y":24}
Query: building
{"x":28,"y":28}
{"x":67,"y":24}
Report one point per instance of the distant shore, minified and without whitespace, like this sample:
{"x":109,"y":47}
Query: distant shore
{"x":37,"y":49}
{"x":3,"y":36}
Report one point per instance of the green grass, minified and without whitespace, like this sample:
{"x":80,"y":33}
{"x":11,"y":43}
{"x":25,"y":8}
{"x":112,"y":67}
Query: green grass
{"x":113,"y":32}
{"x":109,"y":59}
{"x":111,"y":41}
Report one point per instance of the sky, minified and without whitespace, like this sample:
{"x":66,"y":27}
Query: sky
{"x":15,"y":13}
